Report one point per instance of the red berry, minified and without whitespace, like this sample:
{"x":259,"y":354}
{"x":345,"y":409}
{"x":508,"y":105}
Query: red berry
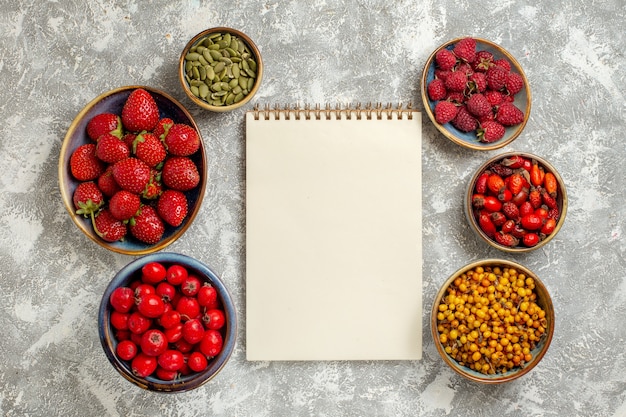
{"x":445,"y":112}
{"x":465,"y":49}
{"x":171,"y":360}
{"x":149,"y":149}
{"x":153,"y":272}
{"x":464,"y":121}
{"x":197,"y":362}
{"x":108,"y":227}
{"x":111,"y":149}
{"x":191,"y":285}
{"x":107,"y":183}
{"x":153,"y":342}
{"x":477,"y":82}
{"x":486,"y":224}
{"x":456,"y":81}
{"x":148,"y":226}
{"x":490,"y":131}
{"x":176,"y":274}
{"x":170,"y":319}
{"x":211,"y":343}
{"x":188,"y":307}
{"x":172,"y":207}
{"x":495,"y":183}
{"x":531,"y":222}
{"x":119,"y":320}
{"x":549,"y":226}
{"x":530,"y":239}
{"x":140,"y":111}
{"x":437,"y":89}
{"x":126,"y":350}
{"x":478,"y":105}
{"x":143,"y":365}
{"x":104,"y":123}
{"x":492,"y":204}
{"x":180,"y":173}
{"x":138,"y":323}
{"x":151,"y":306}
{"x":445,"y":59}
{"x":87,"y":198}
{"x":193,"y":331}
{"x":124,"y":204}
{"x":506,"y":239}
{"x":483,"y":61}
{"x":214,"y":319}
{"x":122,"y":299}
{"x":207,"y":296}
{"x":182,"y":140}
{"x":509,"y":115}
{"x":131,"y":174}
{"x":162,"y":127}
{"x":496,"y":78}
{"x":84,"y":164}
{"x":511,"y":211}
{"x":514,"y":83}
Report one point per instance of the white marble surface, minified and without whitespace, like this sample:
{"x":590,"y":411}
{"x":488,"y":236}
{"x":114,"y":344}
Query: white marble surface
{"x":58,"y":55}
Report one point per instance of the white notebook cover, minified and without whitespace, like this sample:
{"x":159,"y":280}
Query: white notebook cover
{"x":333,"y":237}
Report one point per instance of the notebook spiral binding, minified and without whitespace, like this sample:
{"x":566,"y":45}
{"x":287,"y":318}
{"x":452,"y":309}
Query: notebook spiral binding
{"x":369,"y":111}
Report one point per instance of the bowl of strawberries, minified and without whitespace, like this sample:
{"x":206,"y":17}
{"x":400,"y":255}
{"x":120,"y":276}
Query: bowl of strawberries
{"x":132,"y":170}
{"x":167,"y":322}
{"x":476,"y":93}
{"x":516,"y":202}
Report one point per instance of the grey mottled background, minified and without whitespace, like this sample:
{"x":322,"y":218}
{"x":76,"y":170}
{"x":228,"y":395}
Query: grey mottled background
{"x":58,"y":55}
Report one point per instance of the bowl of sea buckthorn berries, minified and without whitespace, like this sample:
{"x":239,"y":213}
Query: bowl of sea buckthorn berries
{"x":492,"y":321}
{"x":516,"y":202}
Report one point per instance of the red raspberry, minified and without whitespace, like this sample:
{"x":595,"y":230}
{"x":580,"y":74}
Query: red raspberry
{"x":456,"y":81}
{"x":514,"y":83}
{"x":445,"y":111}
{"x":437,"y":90}
{"x":478,"y":105}
{"x":456,"y":97}
{"x":483,"y":61}
{"x":490,"y":131}
{"x":509,"y":115}
{"x":478,"y":82}
{"x":465,"y":49}
{"x":445,"y":59}
{"x":494,"y":97}
{"x":503,"y":63}
{"x":464,"y":121}
{"x":441,"y":74}
{"x":496,"y":78}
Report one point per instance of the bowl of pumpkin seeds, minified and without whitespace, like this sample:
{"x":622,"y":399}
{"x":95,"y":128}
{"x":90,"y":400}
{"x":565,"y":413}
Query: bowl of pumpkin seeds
{"x":220,"y":69}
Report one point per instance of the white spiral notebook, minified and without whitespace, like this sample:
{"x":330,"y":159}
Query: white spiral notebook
{"x":333,"y":234}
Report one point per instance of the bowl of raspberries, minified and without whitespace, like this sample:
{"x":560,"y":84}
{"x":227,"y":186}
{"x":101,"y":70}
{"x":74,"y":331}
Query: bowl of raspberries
{"x":167,"y":322}
{"x":132,"y":170}
{"x":476,"y":93}
{"x":516,"y":202}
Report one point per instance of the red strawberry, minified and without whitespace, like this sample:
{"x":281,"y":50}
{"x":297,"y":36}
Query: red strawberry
{"x":478,"y":105}
{"x":84,"y":164}
{"x":87,"y":198}
{"x":155,"y":187}
{"x":149,"y":149}
{"x":464,"y":121}
{"x":140,"y":111}
{"x":107,"y":183}
{"x":182,"y":140}
{"x":131,"y":174}
{"x":456,"y":81}
{"x":147,"y":226}
{"x":437,"y":89}
{"x":124,"y":204}
{"x":104,"y":123}
{"x":445,"y":111}
{"x":111,"y":149}
{"x":490,"y":131}
{"x":514,"y":83}
{"x":509,"y":115}
{"x":108,"y":227}
{"x":445,"y":59}
{"x":496,"y":78}
{"x":162,"y":127}
{"x":483,"y":61}
{"x":180,"y":173}
{"x":172,"y":207}
{"x":128,"y":139}
{"x":465,"y":49}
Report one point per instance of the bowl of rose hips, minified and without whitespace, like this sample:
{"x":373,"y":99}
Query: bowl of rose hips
{"x":476,"y":93}
{"x":220,"y":69}
{"x":167,"y":322}
{"x":132,"y":170}
{"x":516,"y":202}
{"x":492,"y":321}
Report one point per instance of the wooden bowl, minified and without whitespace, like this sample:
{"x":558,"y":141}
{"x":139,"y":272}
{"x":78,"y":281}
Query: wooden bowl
{"x":543,"y":300}
{"x":112,"y":102}
{"x":469,"y":139}
{"x":234,"y":96}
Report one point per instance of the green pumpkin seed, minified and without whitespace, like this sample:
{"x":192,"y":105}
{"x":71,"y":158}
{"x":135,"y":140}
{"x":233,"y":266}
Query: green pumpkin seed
{"x":235,"y":71}
{"x":252,"y":64}
{"x":192,"y":56}
{"x":250,"y":84}
{"x":250,"y":72}
{"x":194,"y":90}
{"x":237,"y":89}
{"x":233,"y":83}
{"x":215,"y":54}
{"x":203,"y":90}
{"x":202,"y":60}
{"x":210,"y":72}
{"x":196,"y":73}
{"x":241,"y":47}
{"x":243,"y":83}
{"x":207,"y":55}
{"x":238,"y":97}
{"x":188,"y":66}
{"x":215,"y":87}
{"x":214,"y":47}
{"x":245,"y":65}
{"x":219,"y":94}
{"x":230,"y":98}
{"x":231,"y":52}
{"x":219,"y":67}
{"x":226,"y":38}
{"x":202,"y":72}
